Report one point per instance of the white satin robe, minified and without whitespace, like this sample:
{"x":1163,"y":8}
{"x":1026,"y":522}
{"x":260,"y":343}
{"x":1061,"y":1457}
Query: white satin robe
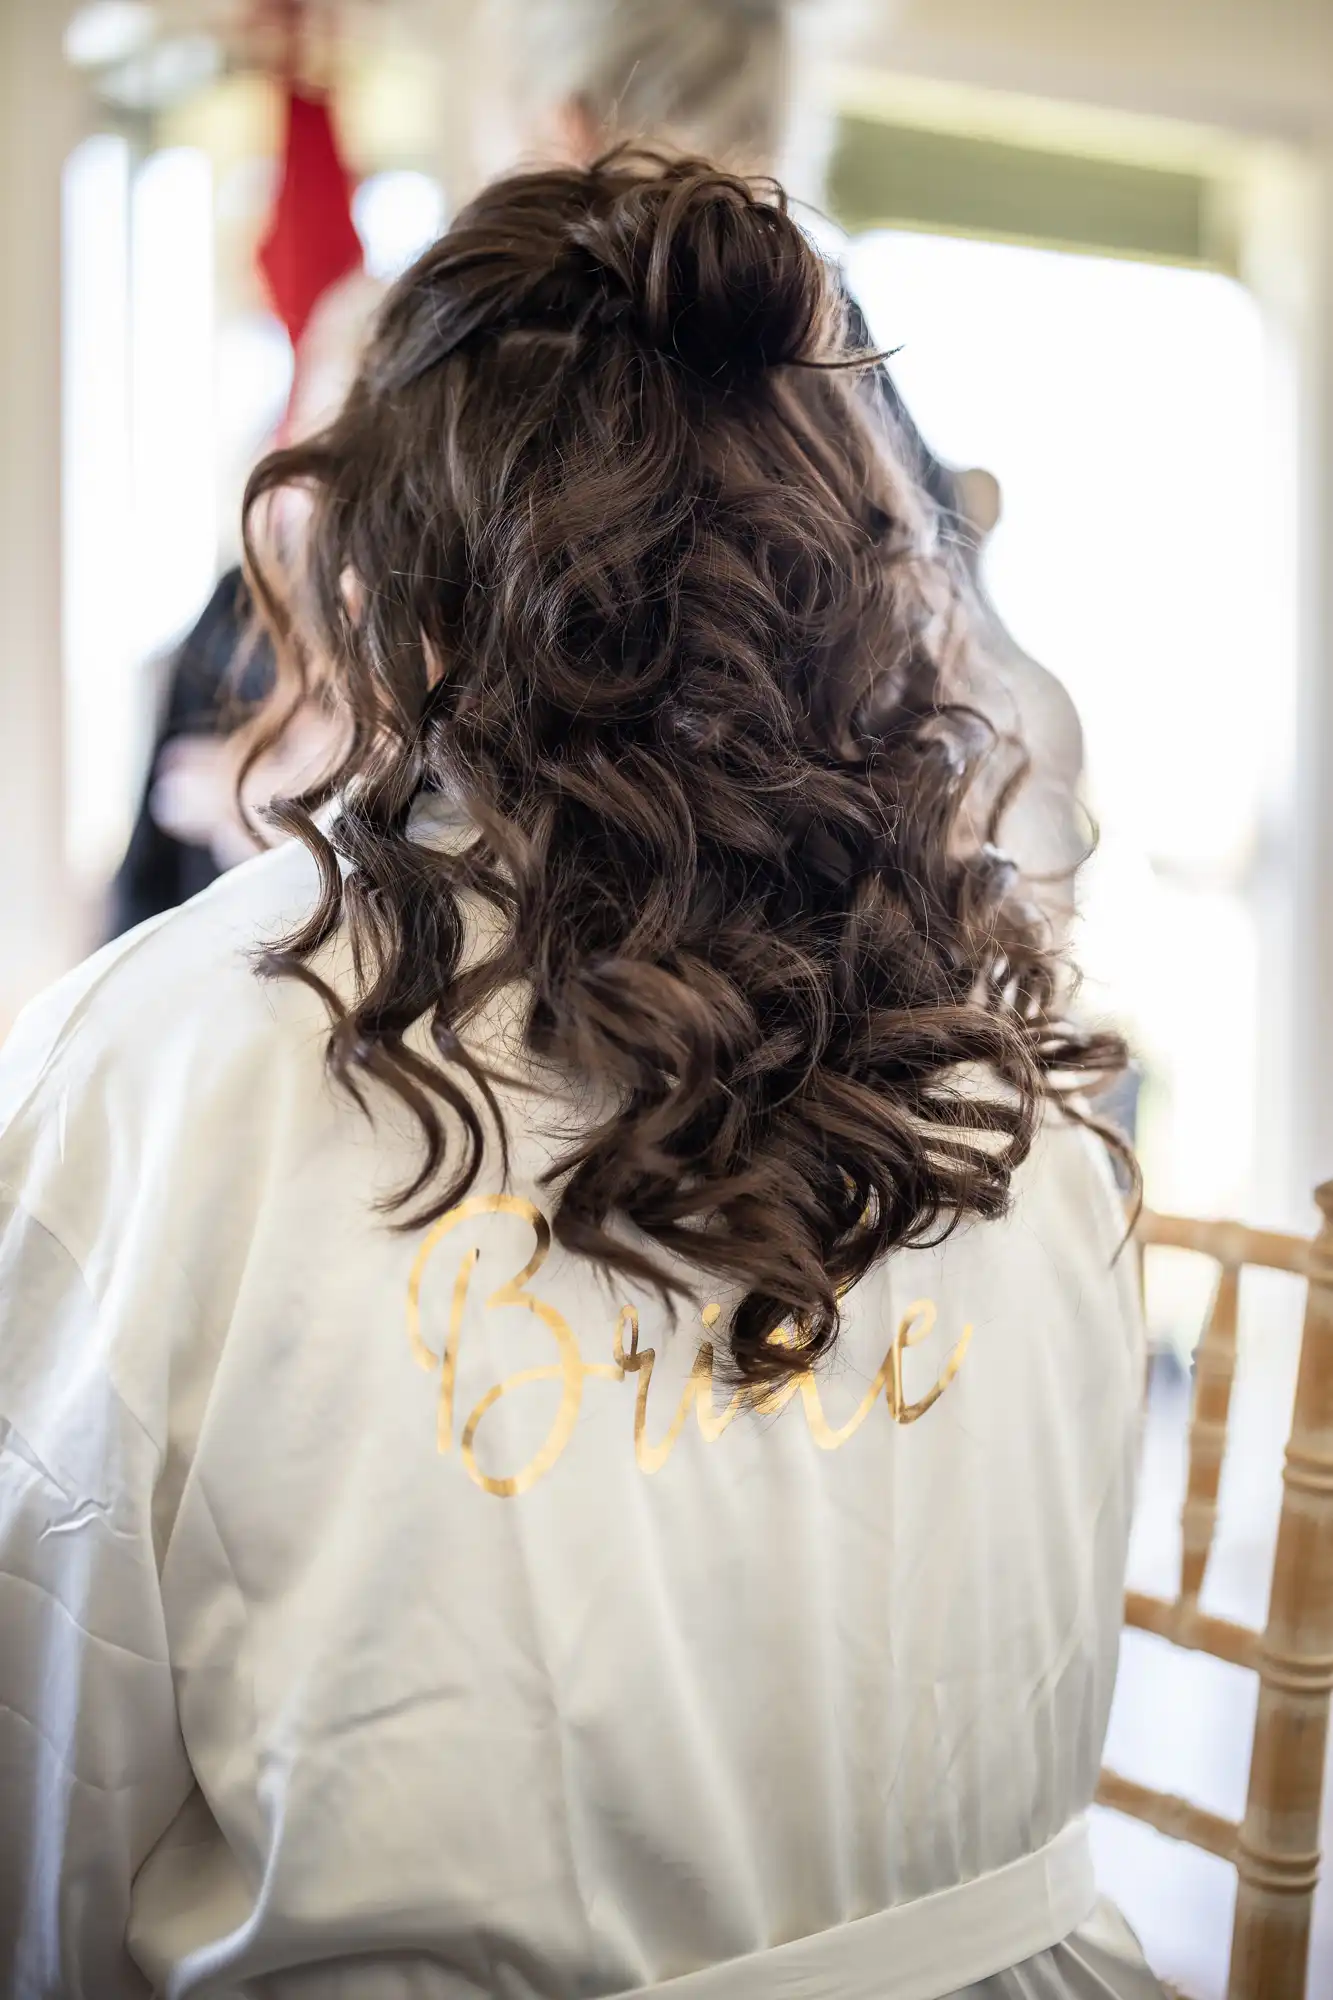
{"x":396,"y":1616}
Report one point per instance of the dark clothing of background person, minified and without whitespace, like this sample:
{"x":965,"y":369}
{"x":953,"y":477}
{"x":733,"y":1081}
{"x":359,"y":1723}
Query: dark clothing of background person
{"x":159,"y":870}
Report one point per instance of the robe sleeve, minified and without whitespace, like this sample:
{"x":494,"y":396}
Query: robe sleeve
{"x":92,"y":1766}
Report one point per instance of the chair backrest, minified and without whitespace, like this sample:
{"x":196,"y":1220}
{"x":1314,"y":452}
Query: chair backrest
{"x":1275,"y":1848}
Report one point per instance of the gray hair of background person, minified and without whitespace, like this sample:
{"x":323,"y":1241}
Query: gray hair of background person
{"x":714,"y":74}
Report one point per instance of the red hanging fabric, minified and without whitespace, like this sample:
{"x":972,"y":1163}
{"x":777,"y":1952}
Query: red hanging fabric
{"x":311,"y":240}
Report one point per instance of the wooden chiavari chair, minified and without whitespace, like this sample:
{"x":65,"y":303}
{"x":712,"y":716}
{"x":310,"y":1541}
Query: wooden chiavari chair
{"x":1275,"y":1848}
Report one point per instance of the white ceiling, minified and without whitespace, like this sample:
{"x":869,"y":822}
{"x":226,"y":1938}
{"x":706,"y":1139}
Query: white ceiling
{"x":1262,"y":66}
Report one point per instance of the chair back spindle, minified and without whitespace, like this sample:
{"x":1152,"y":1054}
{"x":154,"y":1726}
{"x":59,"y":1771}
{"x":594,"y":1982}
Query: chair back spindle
{"x":1275,"y":1849}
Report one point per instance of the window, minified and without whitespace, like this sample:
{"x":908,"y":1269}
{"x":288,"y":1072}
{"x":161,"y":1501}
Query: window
{"x":139,"y":459}
{"x":1125,"y":409}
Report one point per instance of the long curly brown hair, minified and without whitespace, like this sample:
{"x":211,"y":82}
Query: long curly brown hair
{"x":609,"y":545}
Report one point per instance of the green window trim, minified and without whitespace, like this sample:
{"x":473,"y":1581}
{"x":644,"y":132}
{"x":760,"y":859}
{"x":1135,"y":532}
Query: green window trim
{"x":900,"y":176}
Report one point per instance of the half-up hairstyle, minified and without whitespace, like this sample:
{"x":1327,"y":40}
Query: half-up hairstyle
{"x":607,"y":546}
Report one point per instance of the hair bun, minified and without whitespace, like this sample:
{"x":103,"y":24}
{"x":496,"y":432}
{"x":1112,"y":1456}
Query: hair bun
{"x":714,"y":275}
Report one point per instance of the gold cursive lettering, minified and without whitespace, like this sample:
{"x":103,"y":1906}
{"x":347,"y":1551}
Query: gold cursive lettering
{"x":823,"y":1433}
{"x":918,"y":1321}
{"x":571,"y":1371}
{"x":698,"y":1395}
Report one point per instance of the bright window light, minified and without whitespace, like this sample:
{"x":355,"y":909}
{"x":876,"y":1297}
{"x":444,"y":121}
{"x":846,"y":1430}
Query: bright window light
{"x":107,"y":32}
{"x":139,"y":461}
{"x":101,"y":739}
{"x":254,"y":379}
{"x":1124,"y":408}
{"x":173,"y":370}
{"x":398,"y":214}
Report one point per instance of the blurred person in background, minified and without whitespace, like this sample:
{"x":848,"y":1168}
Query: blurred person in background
{"x":1043,"y":824}
{"x":570,"y":77}
{"x":517,"y":1600}
{"x":186,"y":829}
{"x":190,"y":824}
